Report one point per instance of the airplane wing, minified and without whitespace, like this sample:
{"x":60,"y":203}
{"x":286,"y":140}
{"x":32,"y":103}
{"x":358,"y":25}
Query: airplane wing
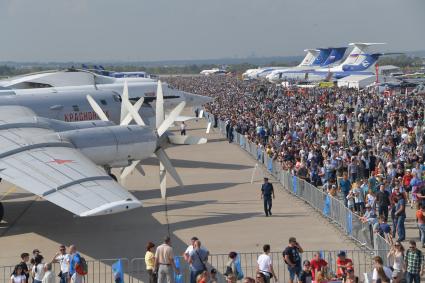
{"x":37,"y":160}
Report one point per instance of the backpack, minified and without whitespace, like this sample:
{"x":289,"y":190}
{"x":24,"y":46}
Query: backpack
{"x":82,"y":267}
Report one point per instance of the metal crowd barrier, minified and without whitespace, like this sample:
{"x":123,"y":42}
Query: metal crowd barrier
{"x":134,"y":270}
{"x":330,"y":207}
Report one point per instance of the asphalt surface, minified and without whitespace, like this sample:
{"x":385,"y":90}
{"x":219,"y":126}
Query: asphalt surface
{"x":217,"y":203}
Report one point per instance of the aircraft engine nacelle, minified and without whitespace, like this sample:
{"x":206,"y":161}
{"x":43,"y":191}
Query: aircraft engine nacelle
{"x":114,"y":146}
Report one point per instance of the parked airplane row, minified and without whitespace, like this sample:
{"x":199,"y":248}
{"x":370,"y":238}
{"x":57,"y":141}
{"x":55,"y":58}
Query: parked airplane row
{"x":324,"y":63}
{"x":61,"y":140}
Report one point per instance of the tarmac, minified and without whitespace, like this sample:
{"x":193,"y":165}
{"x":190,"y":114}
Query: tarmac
{"x":217,"y":203}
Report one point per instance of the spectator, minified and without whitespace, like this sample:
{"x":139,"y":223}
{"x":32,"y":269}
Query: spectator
{"x":25,"y":257}
{"x":306,"y":274}
{"x":190,"y":248}
{"x":383,"y":229}
{"x":63,"y":259}
{"x":342,"y":264}
{"x":38,"y":269}
{"x":383,"y":201}
{"x":213,"y":276}
{"x":267,"y":192}
{"x":74,"y":261}
{"x":150,"y":262}
{"x":345,"y":186}
{"x":259,"y":278}
{"x":248,"y":280}
{"x":400,"y":217}
{"x":265,"y":265}
{"x":351,"y":277}
{"x":203,"y":277}
{"x":291,"y":256}
{"x":49,"y":276}
{"x":413,"y":263}
{"x":18,"y":275}
{"x":420,"y":218}
{"x":381,"y":273}
{"x":183,"y":129}
{"x":164,"y":262}
{"x":231,"y":270}
{"x":396,"y":255}
{"x":197,"y":259}
{"x":317,"y":264}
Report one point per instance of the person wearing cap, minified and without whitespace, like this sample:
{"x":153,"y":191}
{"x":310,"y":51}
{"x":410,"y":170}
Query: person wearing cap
{"x":267,"y":192}
{"x":291,"y":256}
{"x":342,"y":264}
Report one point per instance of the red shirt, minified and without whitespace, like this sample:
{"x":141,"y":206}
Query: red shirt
{"x":340,"y":272}
{"x":317,"y":265}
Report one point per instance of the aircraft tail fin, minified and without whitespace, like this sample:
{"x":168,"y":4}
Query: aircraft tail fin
{"x":309,"y":57}
{"x":359,"y":48}
{"x":322,"y":56}
{"x":336,"y":55}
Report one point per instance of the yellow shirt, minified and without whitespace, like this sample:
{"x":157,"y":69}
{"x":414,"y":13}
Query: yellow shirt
{"x":149,"y":260}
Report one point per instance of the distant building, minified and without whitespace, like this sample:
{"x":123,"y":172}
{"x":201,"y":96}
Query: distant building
{"x":387,"y":70}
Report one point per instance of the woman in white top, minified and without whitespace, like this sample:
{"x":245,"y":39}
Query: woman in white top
{"x":18,"y":276}
{"x":381,"y":273}
{"x":38,"y":269}
{"x":265,"y":266}
{"x":396,"y":255}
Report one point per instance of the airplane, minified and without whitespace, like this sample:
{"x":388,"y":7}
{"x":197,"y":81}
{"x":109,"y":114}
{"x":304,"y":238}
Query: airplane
{"x":59,"y":161}
{"x":358,"y":62}
{"x":213,"y":71}
{"x":102,"y":71}
{"x":314,"y":58}
{"x":67,"y":78}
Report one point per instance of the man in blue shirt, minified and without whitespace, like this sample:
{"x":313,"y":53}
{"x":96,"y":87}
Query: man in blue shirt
{"x":267,"y":192}
{"x":345,"y":186}
{"x":197,"y":259}
{"x":74,"y":260}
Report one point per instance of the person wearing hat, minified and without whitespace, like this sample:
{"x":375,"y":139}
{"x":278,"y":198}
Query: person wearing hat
{"x":267,"y":192}
{"x":343,"y":263}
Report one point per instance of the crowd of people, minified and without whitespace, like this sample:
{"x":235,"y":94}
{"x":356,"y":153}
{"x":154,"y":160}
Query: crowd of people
{"x":162,"y":265}
{"x":361,"y":146}
{"x":36,"y":269}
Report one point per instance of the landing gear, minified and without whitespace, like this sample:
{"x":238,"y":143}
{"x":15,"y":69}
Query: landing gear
{"x":1,"y":211}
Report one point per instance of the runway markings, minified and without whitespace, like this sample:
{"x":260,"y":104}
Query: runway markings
{"x":8,"y":192}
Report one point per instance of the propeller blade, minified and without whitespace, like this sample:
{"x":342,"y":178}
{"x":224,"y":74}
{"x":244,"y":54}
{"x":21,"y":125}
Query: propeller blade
{"x":166,"y":163}
{"x":171,"y":118}
{"x":159,"y":105}
{"x":188,"y":140}
{"x":127,"y":119}
{"x":128,"y":170}
{"x":134,"y":114}
{"x":96,"y":108}
{"x":124,"y":97}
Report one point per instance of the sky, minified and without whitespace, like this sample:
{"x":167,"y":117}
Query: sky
{"x":155,"y":30}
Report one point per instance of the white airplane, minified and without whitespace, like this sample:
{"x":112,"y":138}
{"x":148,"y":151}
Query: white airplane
{"x":214,"y":71}
{"x":314,"y":58}
{"x":358,"y":62}
{"x":59,"y":161}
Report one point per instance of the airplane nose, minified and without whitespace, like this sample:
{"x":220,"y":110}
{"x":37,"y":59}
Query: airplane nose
{"x":197,"y":100}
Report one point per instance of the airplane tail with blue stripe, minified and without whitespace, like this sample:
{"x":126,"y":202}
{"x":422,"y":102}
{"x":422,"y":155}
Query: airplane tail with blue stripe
{"x":322,"y":56}
{"x":336,"y":55}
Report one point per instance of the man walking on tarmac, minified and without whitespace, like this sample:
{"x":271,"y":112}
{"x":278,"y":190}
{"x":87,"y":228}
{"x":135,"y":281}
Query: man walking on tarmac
{"x":267,"y":192}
